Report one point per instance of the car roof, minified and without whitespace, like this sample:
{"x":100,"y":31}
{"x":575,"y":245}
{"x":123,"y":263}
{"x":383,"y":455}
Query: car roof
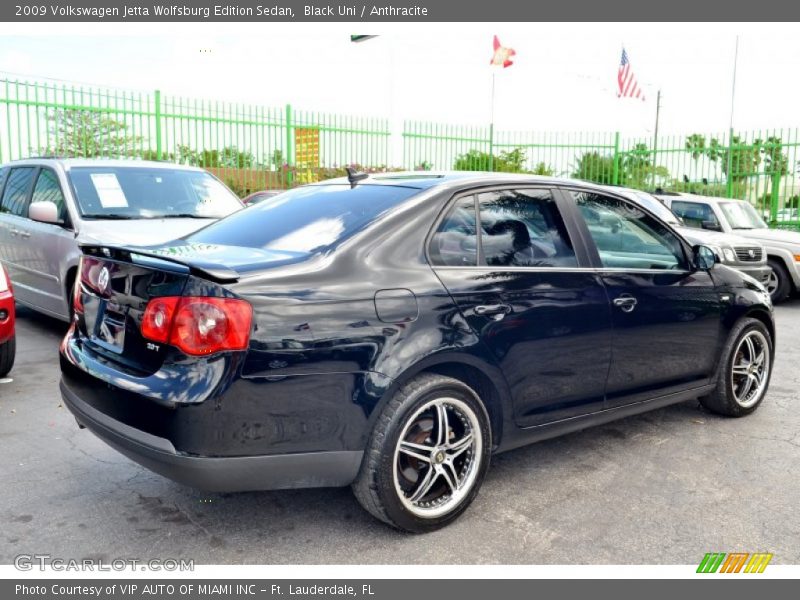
{"x":696,"y":197}
{"x":424,"y":180}
{"x":69,"y":163}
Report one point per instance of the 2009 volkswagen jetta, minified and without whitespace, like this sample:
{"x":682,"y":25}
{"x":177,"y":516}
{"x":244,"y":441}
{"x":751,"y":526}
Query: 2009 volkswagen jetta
{"x":394,"y":332}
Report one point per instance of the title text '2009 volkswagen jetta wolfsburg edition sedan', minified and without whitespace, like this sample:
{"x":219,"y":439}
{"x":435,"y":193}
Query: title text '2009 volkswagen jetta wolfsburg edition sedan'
{"x":393,"y":332}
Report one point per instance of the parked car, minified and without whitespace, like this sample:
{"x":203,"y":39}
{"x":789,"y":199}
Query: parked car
{"x":394,"y":332}
{"x":257,"y":197}
{"x":8,"y":341}
{"x":734,"y":251}
{"x":739,"y":217}
{"x":49,"y":206}
{"x":787,"y":214}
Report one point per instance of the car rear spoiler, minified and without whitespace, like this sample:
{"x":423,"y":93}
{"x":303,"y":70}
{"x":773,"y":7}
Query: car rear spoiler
{"x":132,"y":254}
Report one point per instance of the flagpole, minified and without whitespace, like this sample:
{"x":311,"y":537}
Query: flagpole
{"x":655,"y":136}
{"x":491,"y":129}
{"x":729,"y":182}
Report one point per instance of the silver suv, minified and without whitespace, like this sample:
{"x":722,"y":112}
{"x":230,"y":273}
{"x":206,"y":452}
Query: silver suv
{"x":49,"y":206}
{"x":739,"y":217}
{"x":734,"y":251}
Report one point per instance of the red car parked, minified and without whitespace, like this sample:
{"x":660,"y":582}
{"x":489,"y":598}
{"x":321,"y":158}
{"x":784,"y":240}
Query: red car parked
{"x":8,"y":344}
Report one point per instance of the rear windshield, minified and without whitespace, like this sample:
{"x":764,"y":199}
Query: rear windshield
{"x":307,"y":219}
{"x":150,"y":193}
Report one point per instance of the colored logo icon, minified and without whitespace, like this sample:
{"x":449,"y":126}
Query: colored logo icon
{"x":736,"y":562}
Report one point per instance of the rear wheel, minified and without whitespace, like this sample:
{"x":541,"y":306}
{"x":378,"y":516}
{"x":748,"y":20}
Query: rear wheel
{"x":779,"y":284}
{"x":745,"y":373}
{"x":8,"y":350}
{"x":427,"y":455}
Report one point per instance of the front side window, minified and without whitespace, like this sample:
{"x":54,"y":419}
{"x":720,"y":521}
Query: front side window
{"x":150,"y":193}
{"x":15,"y":194}
{"x":48,"y":189}
{"x":628,"y":238}
{"x":524,"y":228}
{"x":696,"y":214}
{"x":455,"y":243}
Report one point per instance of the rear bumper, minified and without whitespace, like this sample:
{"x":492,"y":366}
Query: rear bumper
{"x":759,"y":273}
{"x":221,"y":474}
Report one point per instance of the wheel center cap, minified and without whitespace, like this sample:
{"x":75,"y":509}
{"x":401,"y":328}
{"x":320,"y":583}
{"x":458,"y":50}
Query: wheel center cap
{"x":439,"y":457}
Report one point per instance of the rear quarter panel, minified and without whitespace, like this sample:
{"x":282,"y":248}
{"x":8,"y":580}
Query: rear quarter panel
{"x":318,"y":334}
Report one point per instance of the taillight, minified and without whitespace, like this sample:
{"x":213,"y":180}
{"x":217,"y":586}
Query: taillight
{"x":198,"y":325}
{"x":5,"y":282}
{"x":77,"y":296}
{"x":157,"y":319}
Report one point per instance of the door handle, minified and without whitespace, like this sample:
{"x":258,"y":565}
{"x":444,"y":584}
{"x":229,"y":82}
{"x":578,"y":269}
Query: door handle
{"x":626,"y":303}
{"x":496,"y":311}
{"x":25,"y":234}
{"x":13,"y":231}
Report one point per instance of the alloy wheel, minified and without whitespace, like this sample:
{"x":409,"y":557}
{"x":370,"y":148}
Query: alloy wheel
{"x":772,"y":282}
{"x":437,"y":457}
{"x":750,"y":369}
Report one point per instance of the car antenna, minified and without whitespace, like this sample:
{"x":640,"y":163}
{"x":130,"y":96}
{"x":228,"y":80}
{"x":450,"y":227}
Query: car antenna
{"x":354,"y":176}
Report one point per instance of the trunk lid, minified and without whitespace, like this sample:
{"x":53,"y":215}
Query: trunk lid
{"x":114,"y":293}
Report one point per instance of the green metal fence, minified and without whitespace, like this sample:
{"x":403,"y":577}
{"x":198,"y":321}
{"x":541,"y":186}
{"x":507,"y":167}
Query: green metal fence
{"x":253,"y":147}
{"x":250,"y":147}
{"x":760,"y":166}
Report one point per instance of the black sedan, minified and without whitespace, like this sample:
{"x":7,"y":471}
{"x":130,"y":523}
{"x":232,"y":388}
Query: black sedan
{"x":393,"y":332}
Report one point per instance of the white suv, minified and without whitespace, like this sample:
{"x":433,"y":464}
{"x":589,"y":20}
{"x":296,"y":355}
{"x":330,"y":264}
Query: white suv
{"x":739,"y":217}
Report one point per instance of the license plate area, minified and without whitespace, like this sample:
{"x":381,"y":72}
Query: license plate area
{"x":109,"y":326}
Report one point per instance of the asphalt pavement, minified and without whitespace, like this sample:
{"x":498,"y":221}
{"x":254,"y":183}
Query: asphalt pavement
{"x":662,"y":488}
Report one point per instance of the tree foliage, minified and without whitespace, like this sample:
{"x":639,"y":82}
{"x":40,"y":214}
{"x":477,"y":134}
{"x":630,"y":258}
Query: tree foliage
{"x":89,"y":134}
{"x":635,"y":168}
{"x":508,"y":161}
{"x":593,"y":166}
{"x":227,"y":157}
{"x":744,"y":159}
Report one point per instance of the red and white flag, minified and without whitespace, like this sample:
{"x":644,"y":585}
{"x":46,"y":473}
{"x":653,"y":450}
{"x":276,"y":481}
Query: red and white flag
{"x":502,"y":55}
{"x":626,"y":80}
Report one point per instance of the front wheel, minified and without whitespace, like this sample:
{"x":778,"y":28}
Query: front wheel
{"x":745,"y":372}
{"x":778,"y":285}
{"x":427,"y":456}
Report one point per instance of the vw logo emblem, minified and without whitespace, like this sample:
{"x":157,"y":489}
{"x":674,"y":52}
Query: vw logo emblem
{"x":751,"y":253}
{"x":102,"y":280}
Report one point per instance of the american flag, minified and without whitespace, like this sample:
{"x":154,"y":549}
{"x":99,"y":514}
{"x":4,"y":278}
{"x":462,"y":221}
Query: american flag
{"x":628,"y":86}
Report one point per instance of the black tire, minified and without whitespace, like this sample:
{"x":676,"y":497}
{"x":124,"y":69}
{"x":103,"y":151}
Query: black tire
{"x":8,"y":350}
{"x":782,"y":284}
{"x":385,"y":467}
{"x":725,"y":399}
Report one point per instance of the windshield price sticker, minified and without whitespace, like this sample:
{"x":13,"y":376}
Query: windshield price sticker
{"x":109,"y":191}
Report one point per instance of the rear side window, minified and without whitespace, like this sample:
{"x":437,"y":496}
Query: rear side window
{"x":15,"y":194}
{"x":48,"y":189}
{"x":309,"y":219}
{"x":695,"y":214}
{"x":524,"y":228}
{"x":455,"y":243}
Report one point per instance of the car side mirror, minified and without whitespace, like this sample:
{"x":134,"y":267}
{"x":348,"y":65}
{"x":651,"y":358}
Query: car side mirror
{"x":44,"y":211}
{"x":711,"y":226}
{"x":704,"y":257}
